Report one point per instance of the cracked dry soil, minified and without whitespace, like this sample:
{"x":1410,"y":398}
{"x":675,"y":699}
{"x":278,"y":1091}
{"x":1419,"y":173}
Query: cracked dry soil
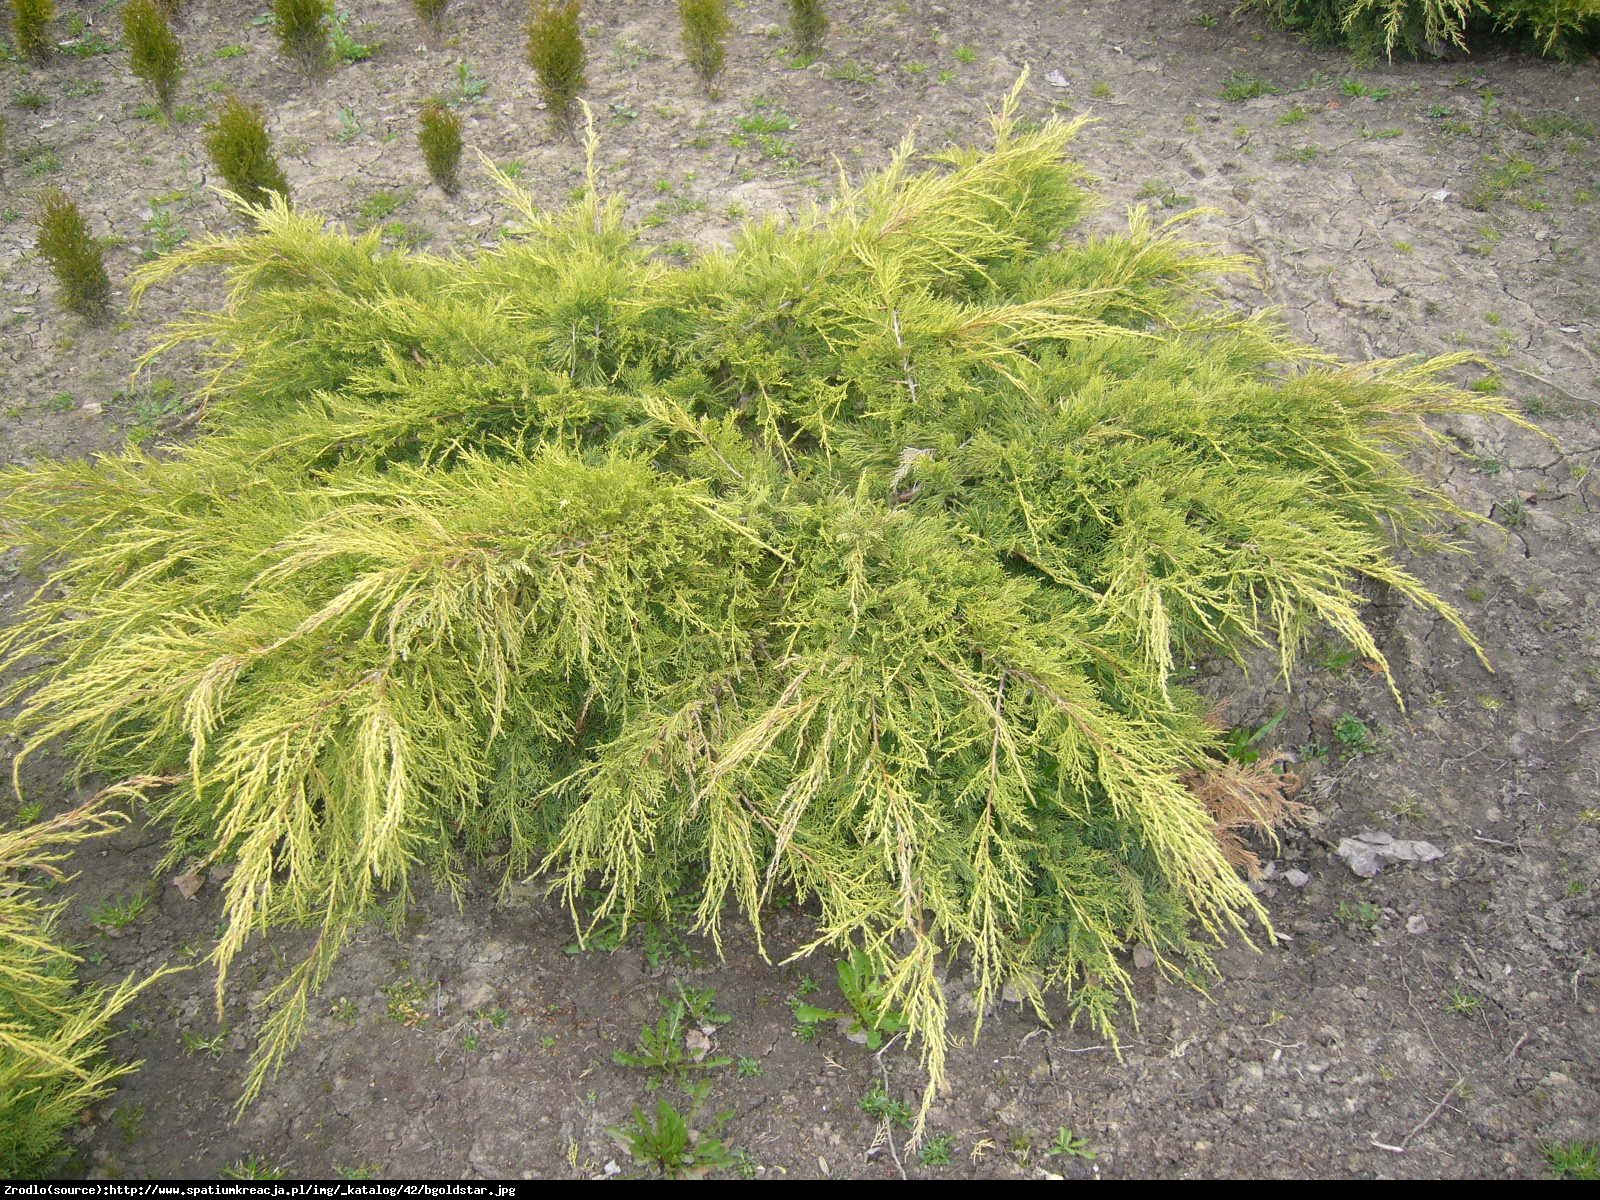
{"x":1438,"y":1019}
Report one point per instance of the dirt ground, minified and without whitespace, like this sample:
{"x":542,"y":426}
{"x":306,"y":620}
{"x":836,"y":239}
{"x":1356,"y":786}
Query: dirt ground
{"x":1440,"y":1019}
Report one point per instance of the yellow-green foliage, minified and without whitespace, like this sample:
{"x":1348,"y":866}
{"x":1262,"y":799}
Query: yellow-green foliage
{"x":557,"y":56}
{"x":52,"y":1036}
{"x":808,"y":21}
{"x":850,"y":564}
{"x":240,"y":149}
{"x":301,"y":26}
{"x":30,"y":28}
{"x":705,"y":36}
{"x":439,"y":134}
{"x":154,"y":53}
{"x":1558,"y":28}
{"x":74,"y":255}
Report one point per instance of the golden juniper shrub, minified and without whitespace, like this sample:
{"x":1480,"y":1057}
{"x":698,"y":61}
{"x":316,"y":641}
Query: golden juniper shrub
{"x":52,"y":1052}
{"x":30,"y":28}
{"x":705,"y":36}
{"x":808,"y":21}
{"x":1556,"y":28}
{"x":439,"y":133}
{"x":851,"y":564}
{"x":301,"y":26}
{"x":430,"y":15}
{"x":241,"y":151}
{"x":557,"y":56}
{"x":75,"y":256}
{"x":154,"y":53}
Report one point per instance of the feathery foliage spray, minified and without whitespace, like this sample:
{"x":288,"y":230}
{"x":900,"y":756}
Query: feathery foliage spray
{"x":52,"y":1057}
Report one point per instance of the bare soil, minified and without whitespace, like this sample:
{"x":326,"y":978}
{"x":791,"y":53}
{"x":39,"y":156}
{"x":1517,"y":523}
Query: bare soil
{"x":1440,"y":1019}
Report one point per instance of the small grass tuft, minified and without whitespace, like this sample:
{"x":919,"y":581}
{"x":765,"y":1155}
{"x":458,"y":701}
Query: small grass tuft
{"x":1242,"y":85}
{"x":1572,"y":1160}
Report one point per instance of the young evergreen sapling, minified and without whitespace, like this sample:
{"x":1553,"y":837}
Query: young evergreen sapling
{"x":154,"y":53}
{"x":240,"y":149}
{"x":557,"y":56}
{"x":30,"y":28}
{"x":705,"y":36}
{"x":439,"y":133}
{"x":52,"y":1057}
{"x":808,"y":21}
{"x":301,"y":26}
{"x":75,"y":257}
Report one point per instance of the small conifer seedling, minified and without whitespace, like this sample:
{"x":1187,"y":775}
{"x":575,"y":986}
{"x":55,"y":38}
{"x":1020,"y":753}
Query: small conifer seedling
{"x":238,"y":144}
{"x":556,"y":54}
{"x":439,"y":133}
{"x":302,"y":32}
{"x":154,"y":53}
{"x":30,"y":28}
{"x":807,"y":23}
{"x":430,"y":14}
{"x":74,"y":256}
{"x":705,"y":36}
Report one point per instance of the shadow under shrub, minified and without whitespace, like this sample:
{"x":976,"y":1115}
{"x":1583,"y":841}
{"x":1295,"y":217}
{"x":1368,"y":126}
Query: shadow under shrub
{"x":851,"y":564}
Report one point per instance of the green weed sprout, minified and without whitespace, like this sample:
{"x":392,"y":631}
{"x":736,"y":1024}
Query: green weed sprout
{"x":154,"y":53}
{"x":808,"y":21}
{"x":240,"y":149}
{"x":556,"y":54}
{"x":846,"y":570}
{"x":75,"y":257}
{"x":30,"y":28}
{"x":667,"y":1143}
{"x":430,"y":15}
{"x":439,"y":135}
{"x":705,"y":36}
{"x":302,"y":29}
